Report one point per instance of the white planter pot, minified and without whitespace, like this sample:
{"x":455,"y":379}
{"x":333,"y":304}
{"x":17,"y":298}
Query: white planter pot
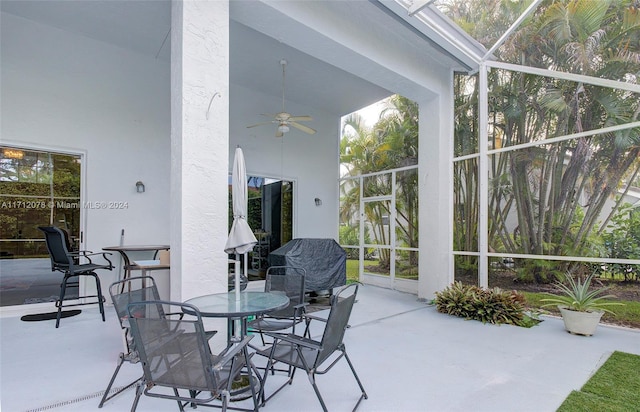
{"x":580,"y":323}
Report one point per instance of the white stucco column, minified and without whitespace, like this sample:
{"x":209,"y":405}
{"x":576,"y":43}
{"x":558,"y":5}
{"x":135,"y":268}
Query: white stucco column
{"x":435,"y":174}
{"x":199,"y":147}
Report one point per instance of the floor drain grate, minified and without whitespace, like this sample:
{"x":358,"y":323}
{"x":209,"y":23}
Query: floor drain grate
{"x":76,"y":400}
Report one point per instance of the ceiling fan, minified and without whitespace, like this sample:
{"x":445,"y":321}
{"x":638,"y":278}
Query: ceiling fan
{"x":284,"y":119}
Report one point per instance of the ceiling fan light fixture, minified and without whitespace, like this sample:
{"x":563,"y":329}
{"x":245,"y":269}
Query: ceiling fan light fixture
{"x":283,"y":128}
{"x":284,"y":119}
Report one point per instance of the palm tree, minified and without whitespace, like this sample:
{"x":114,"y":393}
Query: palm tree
{"x":558,"y":192}
{"x":390,"y":144}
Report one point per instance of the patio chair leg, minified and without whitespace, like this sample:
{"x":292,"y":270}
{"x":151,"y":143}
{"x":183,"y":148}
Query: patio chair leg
{"x":364,"y":393}
{"x":175,"y":392}
{"x":251,"y":369}
{"x":63,"y":290}
{"x":138,"y":394}
{"x":105,"y":397}
{"x":224,"y":397}
{"x":99,"y":293}
{"x":312,"y":379}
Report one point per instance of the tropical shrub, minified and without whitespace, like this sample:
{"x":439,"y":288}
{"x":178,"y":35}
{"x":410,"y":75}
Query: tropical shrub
{"x":579,"y":296}
{"x":623,"y":242}
{"x":494,"y":305}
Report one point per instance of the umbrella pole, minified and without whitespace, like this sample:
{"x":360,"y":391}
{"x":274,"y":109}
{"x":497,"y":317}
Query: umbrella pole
{"x":246,"y":267}
{"x":237,"y":277}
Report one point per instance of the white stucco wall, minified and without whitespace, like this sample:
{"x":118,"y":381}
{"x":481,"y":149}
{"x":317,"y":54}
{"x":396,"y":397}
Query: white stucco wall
{"x":67,"y":92}
{"x":199,"y":147}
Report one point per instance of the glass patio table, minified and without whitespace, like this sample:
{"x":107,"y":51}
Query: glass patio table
{"x":227,"y":305}
{"x":237,"y":309}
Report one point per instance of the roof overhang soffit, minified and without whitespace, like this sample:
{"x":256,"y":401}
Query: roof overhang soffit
{"x":358,"y":37}
{"x":440,"y":30}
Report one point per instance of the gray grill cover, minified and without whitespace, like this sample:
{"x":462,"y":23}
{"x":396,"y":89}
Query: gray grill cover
{"x":323,"y":259}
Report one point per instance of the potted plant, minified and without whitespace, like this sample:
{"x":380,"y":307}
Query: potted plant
{"x":581,"y":308}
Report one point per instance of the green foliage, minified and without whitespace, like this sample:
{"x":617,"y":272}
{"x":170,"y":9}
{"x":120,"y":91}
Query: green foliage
{"x":39,"y":188}
{"x":390,"y":144}
{"x":577,"y":296}
{"x":558,"y":192}
{"x":539,"y":270}
{"x":495,"y":305}
{"x":623,"y":242}
{"x":350,"y":235}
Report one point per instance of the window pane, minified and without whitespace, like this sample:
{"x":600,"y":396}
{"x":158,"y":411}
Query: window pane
{"x":559,"y":199}
{"x":465,"y":201}
{"x":377,"y":261}
{"x":407,"y":208}
{"x":376,"y":221}
{"x":406,"y":264}
{"x":349,"y":212}
{"x":378,"y":185}
{"x":466,"y":269}
{"x":36,"y":189}
{"x":465,"y":115}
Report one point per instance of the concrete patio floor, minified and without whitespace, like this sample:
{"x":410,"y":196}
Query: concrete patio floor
{"x":408,"y":356}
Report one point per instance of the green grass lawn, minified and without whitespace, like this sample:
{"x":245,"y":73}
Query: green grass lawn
{"x":615,"y":387}
{"x":352,"y":271}
{"x":627,"y":315}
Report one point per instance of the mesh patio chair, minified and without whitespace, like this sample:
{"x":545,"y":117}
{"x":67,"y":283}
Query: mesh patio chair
{"x":68,"y":262}
{"x":123,"y":293}
{"x":290,"y":281}
{"x":132,"y":291}
{"x":311,"y":355}
{"x":175,"y":354}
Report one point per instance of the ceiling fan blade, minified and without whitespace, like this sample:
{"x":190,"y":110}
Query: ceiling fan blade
{"x":305,"y":118}
{"x":302,"y":127}
{"x":284,"y":119}
{"x":259,"y":124}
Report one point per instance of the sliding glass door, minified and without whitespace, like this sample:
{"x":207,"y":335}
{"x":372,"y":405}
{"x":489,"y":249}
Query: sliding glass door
{"x":270,"y":215}
{"x":37,"y":188}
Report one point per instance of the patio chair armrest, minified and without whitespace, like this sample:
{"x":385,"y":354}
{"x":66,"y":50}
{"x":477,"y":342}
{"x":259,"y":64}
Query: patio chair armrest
{"x":295,"y":339}
{"x":180,"y":315}
{"x":309,"y":317}
{"x":231,"y":352}
{"x":90,"y":253}
{"x":299,"y":310}
{"x":301,"y":306}
{"x":87,"y":253}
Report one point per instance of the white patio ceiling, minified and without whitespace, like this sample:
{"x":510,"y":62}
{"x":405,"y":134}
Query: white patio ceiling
{"x":321,"y":70}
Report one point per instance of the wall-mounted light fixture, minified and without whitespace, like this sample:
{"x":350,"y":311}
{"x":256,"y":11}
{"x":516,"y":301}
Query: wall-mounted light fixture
{"x":318,"y":201}
{"x":139,"y":187}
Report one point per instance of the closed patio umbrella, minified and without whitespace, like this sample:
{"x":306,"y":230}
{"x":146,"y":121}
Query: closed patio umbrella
{"x":241,"y":238}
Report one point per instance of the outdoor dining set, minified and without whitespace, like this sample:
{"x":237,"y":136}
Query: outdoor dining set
{"x":170,"y":342}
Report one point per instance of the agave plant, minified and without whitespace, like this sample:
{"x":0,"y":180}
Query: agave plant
{"x":577,"y":296}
